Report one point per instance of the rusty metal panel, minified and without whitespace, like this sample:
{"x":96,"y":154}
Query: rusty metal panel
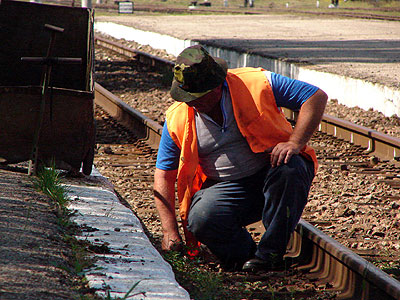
{"x":46,"y":103}
{"x":342,"y":133}
{"x":323,"y":126}
{"x":330,"y":129}
{"x":362,"y":140}
{"x":382,"y":149}
{"x":22,"y":26}
{"x":67,"y":133}
{"x":290,"y":114}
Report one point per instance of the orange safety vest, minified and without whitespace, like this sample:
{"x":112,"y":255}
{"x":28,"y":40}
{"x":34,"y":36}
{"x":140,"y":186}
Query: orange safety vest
{"x":258,"y":118}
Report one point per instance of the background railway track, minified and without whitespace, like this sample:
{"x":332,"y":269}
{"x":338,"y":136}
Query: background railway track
{"x":348,"y":13}
{"x":372,"y":13}
{"x":351,"y":192}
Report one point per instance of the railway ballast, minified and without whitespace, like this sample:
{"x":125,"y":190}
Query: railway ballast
{"x":346,"y":199}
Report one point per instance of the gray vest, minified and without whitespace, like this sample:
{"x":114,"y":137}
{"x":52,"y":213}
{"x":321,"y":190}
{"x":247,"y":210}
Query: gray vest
{"x":224,"y":153}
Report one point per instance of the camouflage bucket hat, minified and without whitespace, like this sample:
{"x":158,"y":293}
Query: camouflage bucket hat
{"x":196,"y":73}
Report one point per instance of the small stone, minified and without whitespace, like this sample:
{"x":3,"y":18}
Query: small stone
{"x":374,"y":160}
{"x":108,"y":150}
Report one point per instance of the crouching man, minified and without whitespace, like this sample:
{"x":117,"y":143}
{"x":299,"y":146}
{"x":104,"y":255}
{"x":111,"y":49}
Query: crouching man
{"x":235,"y":158}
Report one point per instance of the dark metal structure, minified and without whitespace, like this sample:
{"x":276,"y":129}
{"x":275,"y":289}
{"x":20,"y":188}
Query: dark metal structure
{"x":46,"y":85}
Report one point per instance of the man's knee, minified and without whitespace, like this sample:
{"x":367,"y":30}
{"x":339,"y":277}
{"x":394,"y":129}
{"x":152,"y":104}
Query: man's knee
{"x":199,"y":219}
{"x":298,"y":167}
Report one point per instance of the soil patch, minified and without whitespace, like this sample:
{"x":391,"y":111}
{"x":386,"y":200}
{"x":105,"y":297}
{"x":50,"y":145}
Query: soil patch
{"x":33,"y":254}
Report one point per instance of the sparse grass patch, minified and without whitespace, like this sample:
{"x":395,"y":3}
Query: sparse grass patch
{"x":204,"y":281}
{"x":203,"y":285}
{"x":127,"y":295}
{"x":49,"y":181}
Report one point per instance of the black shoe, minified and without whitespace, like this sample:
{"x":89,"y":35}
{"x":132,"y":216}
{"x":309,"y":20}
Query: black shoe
{"x":237,"y":264}
{"x":232,"y":267}
{"x":275,"y":262}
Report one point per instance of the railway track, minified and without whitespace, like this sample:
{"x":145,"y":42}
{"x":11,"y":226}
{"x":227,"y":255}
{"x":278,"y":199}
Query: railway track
{"x":379,"y":144}
{"x":361,"y":13}
{"x":314,"y":251}
{"x":347,"y":13}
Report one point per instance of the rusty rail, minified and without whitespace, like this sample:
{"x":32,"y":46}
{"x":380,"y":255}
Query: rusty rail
{"x":379,"y":144}
{"x":323,"y":258}
{"x":142,"y":57}
{"x":143,"y":127}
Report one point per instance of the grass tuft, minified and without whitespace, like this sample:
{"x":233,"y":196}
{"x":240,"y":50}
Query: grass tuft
{"x":204,"y":285}
{"x":49,"y":181}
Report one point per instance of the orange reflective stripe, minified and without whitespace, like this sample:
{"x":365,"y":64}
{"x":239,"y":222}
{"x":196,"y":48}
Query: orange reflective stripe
{"x":259,"y":120}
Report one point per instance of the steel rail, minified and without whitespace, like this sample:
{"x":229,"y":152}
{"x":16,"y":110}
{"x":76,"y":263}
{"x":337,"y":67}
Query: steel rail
{"x":378,"y":144}
{"x":143,"y":127}
{"x":319,"y":255}
{"x":325,"y":259}
{"x":142,"y":57}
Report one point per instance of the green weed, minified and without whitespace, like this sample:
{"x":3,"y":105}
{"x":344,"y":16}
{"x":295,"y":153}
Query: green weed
{"x":127,"y":295}
{"x":49,"y":181}
{"x":204,"y":285}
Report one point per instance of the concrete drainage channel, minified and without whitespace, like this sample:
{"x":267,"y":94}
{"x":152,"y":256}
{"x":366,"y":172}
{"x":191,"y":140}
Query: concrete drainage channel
{"x":130,"y":257}
{"x":353,"y":92}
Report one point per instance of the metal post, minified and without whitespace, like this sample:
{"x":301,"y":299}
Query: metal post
{"x":48,"y":62}
{"x":87,"y":3}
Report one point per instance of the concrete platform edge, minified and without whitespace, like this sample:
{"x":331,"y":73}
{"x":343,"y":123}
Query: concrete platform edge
{"x":130,"y":257}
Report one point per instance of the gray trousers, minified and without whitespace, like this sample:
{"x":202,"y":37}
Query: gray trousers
{"x":221,"y":209}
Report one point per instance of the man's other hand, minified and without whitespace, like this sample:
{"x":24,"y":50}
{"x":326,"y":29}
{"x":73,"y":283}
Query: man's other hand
{"x":171,"y":244}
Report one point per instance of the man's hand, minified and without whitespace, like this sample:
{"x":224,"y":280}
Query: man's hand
{"x":164,"y":197}
{"x":310,"y":116}
{"x":171,"y":243}
{"x":282,"y":153}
